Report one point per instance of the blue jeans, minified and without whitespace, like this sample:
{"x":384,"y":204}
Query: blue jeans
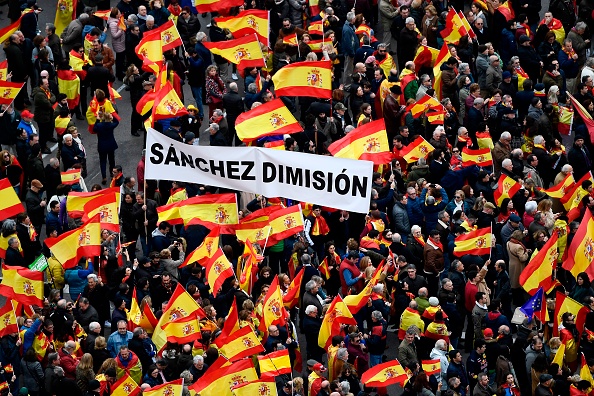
{"x":374,"y":360}
{"x":197,"y":92}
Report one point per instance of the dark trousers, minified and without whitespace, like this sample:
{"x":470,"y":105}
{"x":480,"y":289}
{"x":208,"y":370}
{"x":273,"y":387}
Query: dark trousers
{"x":103,"y":156}
{"x":46,"y":130}
{"x":120,"y":65}
{"x":135,"y":121}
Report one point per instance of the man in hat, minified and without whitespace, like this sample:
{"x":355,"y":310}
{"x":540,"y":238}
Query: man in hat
{"x":544,"y":388}
{"x":579,"y":158}
{"x":174,"y":130}
{"x":316,"y":378}
{"x":393,"y":111}
{"x":341,"y":120}
{"x":506,"y":86}
{"x":191,"y":122}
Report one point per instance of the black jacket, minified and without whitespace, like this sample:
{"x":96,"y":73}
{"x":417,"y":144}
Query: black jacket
{"x":99,"y":77}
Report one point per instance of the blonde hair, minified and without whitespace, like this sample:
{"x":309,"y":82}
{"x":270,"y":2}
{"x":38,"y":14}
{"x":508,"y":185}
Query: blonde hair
{"x":165,"y":254}
{"x":364,"y":263}
{"x":86,"y":361}
{"x":108,"y":363}
{"x":100,"y":343}
{"x":545,"y":205}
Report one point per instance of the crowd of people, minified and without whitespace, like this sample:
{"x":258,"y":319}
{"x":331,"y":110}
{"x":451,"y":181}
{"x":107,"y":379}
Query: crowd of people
{"x":508,"y":80}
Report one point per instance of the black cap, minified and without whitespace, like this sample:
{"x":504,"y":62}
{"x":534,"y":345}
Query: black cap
{"x":175,"y":123}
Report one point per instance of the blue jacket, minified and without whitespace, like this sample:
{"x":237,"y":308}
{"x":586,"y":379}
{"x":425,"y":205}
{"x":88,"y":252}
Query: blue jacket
{"x":415,"y":213}
{"x":350,"y":43}
{"x":53,"y":220}
{"x":105,"y":139}
{"x":204,"y":53}
{"x":568,"y":65}
{"x":30,"y":334}
{"x":432,"y":211}
{"x":507,"y":46}
{"x":87,"y":29}
{"x":76,"y":278}
{"x":161,"y":15}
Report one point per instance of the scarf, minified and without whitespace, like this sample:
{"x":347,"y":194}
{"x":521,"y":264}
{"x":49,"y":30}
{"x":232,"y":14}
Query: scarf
{"x":514,"y":240}
{"x":320,"y":227}
{"x":570,"y":53}
{"x":528,"y":32}
{"x":420,"y":240}
{"x":115,"y":179}
{"x":436,"y":243}
{"x":541,"y":147}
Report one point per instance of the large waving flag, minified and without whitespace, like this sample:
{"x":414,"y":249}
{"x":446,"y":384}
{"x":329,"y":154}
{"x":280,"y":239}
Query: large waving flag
{"x":507,"y":10}
{"x":240,"y":344}
{"x":535,"y":306}
{"x":291,"y":298}
{"x":219,"y":382}
{"x":269,"y":119}
{"x":422,"y":105}
{"x":125,"y":386}
{"x":209,"y":210}
{"x":246,"y":23}
{"x":9,"y":91}
{"x":107,"y":207}
{"x":253,"y":231}
{"x":172,"y":388}
{"x":304,"y":79}
{"x":65,"y":13}
{"x":273,"y":310}
{"x":274,"y":364}
{"x":506,"y":188}
{"x":137,"y":318}
{"x":150,"y":51}
{"x":368,"y":142}
{"x":337,"y":315}
{"x":580,"y":253}
{"x":586,"y":117}
{"x":442,"y":57}
{"x":261,"y":387}
{"x":76,"y":201}
{"x":565,"y":304}
{"x":168,"y":104}
{"x":170,"y":37}
{"x":8,"y":320}
{"x":84,"y":241}
{"x":560,"y":189}
{"x":285,"y":223}
{"x":572,"y":200}
{"x":218,"y":269}
{"x":203,"y":6}
{"x":476,"y":243}
{"x":385,"y":374}
{"x":356,"y":302}
{"x":183,"y":330}
{"x":454,"y":29}
{"x":316,"y":27}
{"x":245,"y":52}
{"x":425,"y":56}
{"x":206,"y":250}
{"x":539,"y":271}
{"x":10,"y":204}
{"x":466,"y":24}
{"x":418,"y":148}
{"x":480,"y":157}
{"x":22,"y":285}
{"x":69,"y":84}
{"x":6,"y":32}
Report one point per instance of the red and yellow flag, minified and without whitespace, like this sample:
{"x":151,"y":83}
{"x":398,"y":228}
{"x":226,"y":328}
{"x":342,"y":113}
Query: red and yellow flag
{"x":125,"y":386}
{"x":250,"y":267}
{"x":84,"y":241}
{"x":539,"y":271}
{"x":218,"y":382}
{"x":245,"y":52}
{"x":218,"y":269}
{"x":466,"y":24}
{"x":22,"y":285}
{"x":168,"y":104}
{"x":8,"y":320}
{"x":580,"y":253}
{"x":436,"y":117}
{"x":246,"y":23}
{"x":240,"y":344}
{"x":77,"y":62}
{"x":418,"y":148}
{"x":70,"y":177}
{"x":291,"y":40}
{"x":565,"y":304}
{"x":425,"y":56}
{"x":150,"y":50}
{"x":69,"y":84}
{"x":316,"y":27}
{"x":9,"y":91}
{"x":444,"y":54}
{"x":230,"y":326}
{"x":95,"y":107}
{"x":507,"y":10}
{"x":261,"y":387}
{"x":4,"y":244}
{"x":454,"y":29}
{"x":183,"y":330}
{"x":6,"y":32}
{"x":206,"y":250}
{"x":273,"y":310}
{"x":421,"y":106}
{"x":317,"y":45}
{"x":171,"y":388}
{"x":484,"y":140}
{"x":170,"y":37}
{"x":76,"y":201}
{"x":10,"y":204}
{"x":275,"y":364}
{"x":480,"y":157}
{"x":113,"y":94}
{"x":291,"y":298}
{"x":65,"y":13}
{"x":314,"y":7}
{"x":4,"y":70}
{"x":304,"y":79}
{"x":506,"y":188}
{"x":137,"y":318}
{"x":356,"y":302}
{"x":385,"y":374}
{"x":285,"y":223}
{"x":107,"y":207}
{"x":61,"y":124}
{"x":477,"y":243}
{"x":203,"y":6}
{"x":565,"y":119}
{"x":572,"y":200}
{"x":337,"y":314}
{"x":269,"y":119}
{"x":368,"y":142}
{"x":257,"y":232}
{"x":431,"y":367}
{"x":560,"y":189}
{"x":209,"y":210}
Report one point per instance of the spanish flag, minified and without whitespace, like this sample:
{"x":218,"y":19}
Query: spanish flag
{"x":65,"y":13}
{"x":314,"y":7}
{"x":586,"y":117}
{"x":10,"y":204}
{"x":425,"y":57}
{"x":218,"y":382}
{"x":4,"y":243}
{"x":70,"y":177}
{"x":181,"y":304}
{"x":436,"y":117}
{"x":6,"y":32}
{"x":284,"y":223}
{"x":507,"y":11}
{"x":324,"y":266}
{"x":336,"y":315}
{"x":61,"y":124}
{"x":484,"y":140}
{"x":207,"y":248}
{"x":418,"y":148}
{"x":145,"y":104}
{"x":170,"y":37}
{"x":261,"y":387}
{"x":565,"y":304}
{"x":150,"y":50}
{"x":476,"y":243}
{"x":107,"y":207}
{"x":9,"y":91}
{"x":454,"y":29}
{"x":480,"y":157}
{"x":231,"y":324}
{"x":368,"y":142}
{"x":385,"y":374}
{"x":218,"y":269}
{"x":69,"y":84}
{"x":277,"y":144}
{"x":170,"y":213}
{"x":261,"y":214}
{"x":304,"y":79}
{"x":291,"y":298}
{"x":250,"y":267}
{"x":84,"y":241}
{"x":421,"y":106}
{"x":572,"y":200}
{"x":275,"y":364}
{"x":22,"y":285}
{"x":183,"y":330}
{"x":77,"y":62}
{"x":316,"y":27}
{"x":246,"y":23}
{"x":539,"y":271}
{"x":269,"y":119}
{"x":356,"y":302}
{"x":291,"y":40}
{"x":506,"y":188}
{"x":584,"y":369}
{"x":431,"y":367}
{"x":442,"y":57}
{"x":467,"y":27}
{"x":3,"y":70}
{"x":203,"y":6}
{"x":580,"y":253}
{"x":171,"y":388}
{"x":560,"y":355}
{"x":125,"y":386}
{"x":8,"y":320}
{"x":273,"y":310}
{"x":241,"y":344}
{"x":76,"y":201}
{"x":565,"y":120}
{"x":560,"y":189}
{"x":95,"y":107}
{"x":254,"y":231}
{"x":522,"y":76}
{"x":137,"y":318}
{"x":207,"y":210}
{"x":103,"y":14}
{"x":316,"y":45}
{"x":113,"y":94}
{"x":245,"y":52}
{"x":168,"y":104}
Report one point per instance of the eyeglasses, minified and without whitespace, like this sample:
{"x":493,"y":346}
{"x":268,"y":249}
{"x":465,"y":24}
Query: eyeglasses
{"x":456,"y":151}
{"x":458,"y":197}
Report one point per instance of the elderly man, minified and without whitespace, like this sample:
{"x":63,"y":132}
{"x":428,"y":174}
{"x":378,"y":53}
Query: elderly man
{"x":501,"y":151}
{"x":92,"y":334}
{"x":72,"y":35}
{"x":312,"y":324}
{"x":142,"y":347}
{"x":198,"y":367}
{"x":475,"y":118}
{"x":128,"y":363}
{"x":216,"y":136}
{"x":350,"y":44}
{"x":96,"y":293}
{"x":233,"y":104}
{"x":494,"y":74}
{"x":579,"y":44}
{"x":67,"y":359}
{"x":310,"y":297}
{"x":13,"y":253}
{"x":118,"y":338}
{"x":426,"y":84}
{"x":85,"y":314}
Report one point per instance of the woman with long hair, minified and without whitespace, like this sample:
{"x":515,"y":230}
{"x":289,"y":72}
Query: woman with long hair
{"x":215,"y":89}
{"x":422,"y":387}
{"x":518,"y":258}
{"x":135,"y":81}
{"x":84,"y":372}
{"x":582,"y":288}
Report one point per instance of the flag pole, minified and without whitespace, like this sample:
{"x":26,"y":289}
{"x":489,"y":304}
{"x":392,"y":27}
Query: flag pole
{"x":491,"y":249}
{"x":297,"y":41}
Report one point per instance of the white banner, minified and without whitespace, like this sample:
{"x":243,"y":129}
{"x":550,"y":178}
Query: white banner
{"x":334,"y":182}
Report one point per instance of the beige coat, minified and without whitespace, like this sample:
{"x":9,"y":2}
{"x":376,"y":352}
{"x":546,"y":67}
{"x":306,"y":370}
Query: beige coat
{"x":518,"y":258}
